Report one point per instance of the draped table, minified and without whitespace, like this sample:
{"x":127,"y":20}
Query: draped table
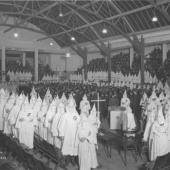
{"x":116,"y":117}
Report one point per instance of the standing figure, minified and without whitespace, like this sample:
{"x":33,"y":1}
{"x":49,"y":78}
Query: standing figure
{"x":83,"y":102}
{"x":7,"y":108}
{"x":68,"y":127}
{"x":87,"y":141}
{"x":158,"y":139}
{"x":151,"y":113}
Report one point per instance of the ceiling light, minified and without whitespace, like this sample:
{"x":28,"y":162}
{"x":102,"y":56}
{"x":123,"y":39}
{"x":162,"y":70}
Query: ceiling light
{"x":60,"y":14}
{"x":68,"y":55}
{"x":51,"y":44}
{"x":73,"y":39}
{"x":16,"y":34}
{"x":154,"y":19}
{"x":104,"y":31}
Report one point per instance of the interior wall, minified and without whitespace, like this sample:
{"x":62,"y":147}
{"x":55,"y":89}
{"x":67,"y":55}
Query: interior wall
{"x":58,"y":62}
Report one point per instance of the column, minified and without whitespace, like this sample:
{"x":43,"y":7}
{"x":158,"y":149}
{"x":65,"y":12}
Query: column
{"x":36,"y":65}
{"x":109,"y":66}
{"x":23,"y":59}
{"x":49,"y":60}
{"x":3,"y":64}
{"x":85,"y":67}
{"x":142,"y":54}
{"x":164,"y":52}
{"x":131,"y":56}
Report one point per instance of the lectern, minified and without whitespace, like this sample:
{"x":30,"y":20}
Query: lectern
{"x":116,"y":117}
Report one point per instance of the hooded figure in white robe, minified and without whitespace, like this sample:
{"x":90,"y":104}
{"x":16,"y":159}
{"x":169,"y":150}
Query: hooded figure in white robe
{"x":94,"y":120}
{"x":128,"y":121}
{"x":49,"y":118}
{"x":68,"y":127}
{"x":49,"y":99}
{"x":15,"y":113}
{"x":24,"y":124}
{"x":83,"y":102}
{"x":127,"y":117}
{"x":7,"y":108}
{"x":158,"y":140}
{"x":41,"y":118}
{"x":151,"y":113}
{"x":28,"y":123}
{"x":3,"y":99}
{"x":36,"y":110}
{"x":166,"y":110}
{"x":55,"y":124}
{"x":86,"y":141}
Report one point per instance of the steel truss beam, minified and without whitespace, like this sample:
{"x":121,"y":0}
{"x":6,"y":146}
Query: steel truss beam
{"x":36,"y":14}
{"x":106,"y":19}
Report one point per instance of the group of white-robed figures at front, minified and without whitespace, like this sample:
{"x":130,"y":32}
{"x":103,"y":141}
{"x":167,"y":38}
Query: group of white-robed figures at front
{"x":157,"y":129}
{"x":54,"y":120}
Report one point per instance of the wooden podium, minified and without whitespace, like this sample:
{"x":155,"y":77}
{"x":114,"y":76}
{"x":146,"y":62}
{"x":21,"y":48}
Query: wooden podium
{"x":115,"y":117}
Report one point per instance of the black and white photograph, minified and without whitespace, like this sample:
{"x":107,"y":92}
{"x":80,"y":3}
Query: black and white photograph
{"x":84,"y":84}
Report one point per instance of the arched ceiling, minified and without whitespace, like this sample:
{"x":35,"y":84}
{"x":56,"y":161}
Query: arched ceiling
{"x":85,"y":19}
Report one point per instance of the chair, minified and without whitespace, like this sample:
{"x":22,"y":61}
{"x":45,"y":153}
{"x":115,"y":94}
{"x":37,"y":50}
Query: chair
{"x":144,"y":149}
{"x":130,"y":143}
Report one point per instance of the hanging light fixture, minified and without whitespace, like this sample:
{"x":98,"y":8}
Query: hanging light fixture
{"x":60,"y":13}
{"x":73,"y":38}
{"x":154,"y":18}
{"x":51,"y":44}
{"x":16,"y":34}
{"x":68,"y":55}
{"x":104,"y":31}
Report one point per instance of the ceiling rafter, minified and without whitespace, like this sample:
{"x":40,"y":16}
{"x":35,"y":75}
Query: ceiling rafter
{"x":36,"y":14}
{"x":124,"y":17}
{"x":105,"y":20}
{"x":161,"y":9}
{"x":85,"y":20}
{"x":24,"y":7}
{"x":110,"y":18}
{"x":70,"y":12}
{"x":24,"y":27}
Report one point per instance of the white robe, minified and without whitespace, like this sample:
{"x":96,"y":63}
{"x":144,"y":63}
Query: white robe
{"x":67,"y":130}
{"x":42,"y":131}
{"x":36,"y":110}
{"x":55,"y":125}
{"x":168,"y":124}
{"x":14,"y":115}
{"x":48,"y":121}
{"x":128,"y":120}
{"x":7,"y":109}
{"x":21,"y":122}
{"x":158,"y":141}
{"x":3,"y":100}
{"x":86,"y":148}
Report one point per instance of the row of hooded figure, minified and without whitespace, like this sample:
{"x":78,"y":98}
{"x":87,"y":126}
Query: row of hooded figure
{"x":118,"y":76}
{"x":76,"y":77}
{"x":55,"y":120}
{"x":19,"y":76}
{"x":50,"y":78}
{"x":156,"y":114}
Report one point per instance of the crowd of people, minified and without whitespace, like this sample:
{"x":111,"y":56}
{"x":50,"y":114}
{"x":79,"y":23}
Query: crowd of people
{"x":19,"y":76}
{"x":55,"y":120}
{"x":51,"y":110}
{"x":155,"y":68}
{"x":156,"y":116}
